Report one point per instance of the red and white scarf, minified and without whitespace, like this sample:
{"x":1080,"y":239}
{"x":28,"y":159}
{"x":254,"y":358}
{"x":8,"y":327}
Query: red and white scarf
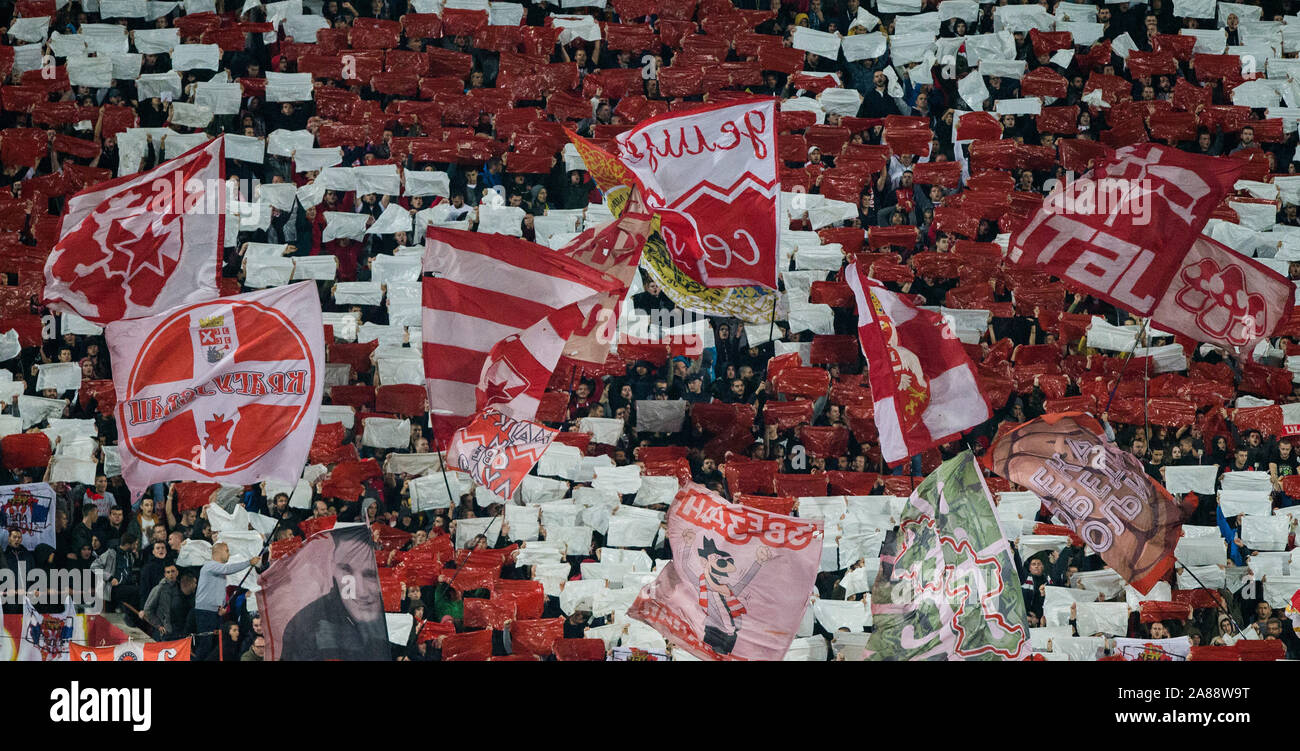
{"x":734,"y":605}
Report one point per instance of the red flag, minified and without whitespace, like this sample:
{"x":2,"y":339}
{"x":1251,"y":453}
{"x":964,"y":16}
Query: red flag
{"x":928,"y":394}
{"x":1156,"y":198}
{"x":141,"y":244}
{"x":496,"y":318}
{"x":221,"y":391}
{"x":497,"y":451}
{"x":1101,"y":492}
{"x":711,"y":174}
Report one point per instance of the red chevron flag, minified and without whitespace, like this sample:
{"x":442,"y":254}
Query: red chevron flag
{"x":497,"y":451}
{"x":711,"y":175}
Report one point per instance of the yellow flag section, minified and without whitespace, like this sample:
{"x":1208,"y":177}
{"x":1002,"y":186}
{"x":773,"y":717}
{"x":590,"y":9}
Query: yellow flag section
{"x":752,"y":304}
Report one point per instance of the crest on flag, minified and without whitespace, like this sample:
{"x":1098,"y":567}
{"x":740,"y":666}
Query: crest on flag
{"x":215,"y":337}
{"x":224,"y":390}
{"x":134,"y":651}
{"x":46,"y":636}
{"x":497,"y":451}
{"x":30,"y":510}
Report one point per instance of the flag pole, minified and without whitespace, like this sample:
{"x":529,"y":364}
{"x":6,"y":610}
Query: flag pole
{"x":442,"y":463}
{"x":1218,"y":600}
{"x":1131,"y":352}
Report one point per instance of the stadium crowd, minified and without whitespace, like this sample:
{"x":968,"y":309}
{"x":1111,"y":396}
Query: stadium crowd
{"x":437,"y":89}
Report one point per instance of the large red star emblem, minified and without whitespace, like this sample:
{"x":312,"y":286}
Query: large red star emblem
{"x":218,"y":433}
{"x":502,"y":383}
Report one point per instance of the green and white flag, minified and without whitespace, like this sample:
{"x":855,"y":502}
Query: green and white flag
{"x":947,"y":587}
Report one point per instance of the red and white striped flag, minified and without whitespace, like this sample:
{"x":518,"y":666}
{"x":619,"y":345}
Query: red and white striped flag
{"x":496,"y":316}
{"x":498,"y":451}
{"x":922,"y":381}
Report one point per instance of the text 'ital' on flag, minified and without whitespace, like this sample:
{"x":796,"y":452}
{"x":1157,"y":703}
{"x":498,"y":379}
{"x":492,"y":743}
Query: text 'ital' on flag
{"x":1130,"y":234}
{"x":947,"y":587}
{"x":226,"y":390}
{"x":922,"y":380}
{"x":138,"y":245}
{"x":739,"y":580}
{"x":497,"y":313}
{"x":1099,"y":491}
{"x":498,"y":451}
{"x":711,"y":174}
{"x":323,"y":601}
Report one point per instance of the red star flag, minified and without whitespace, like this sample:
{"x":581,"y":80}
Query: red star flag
{"x":222,"y":391}
{"x":922,"y":380}
{"x":497,"y":314}
{"x":498,"y":451}
{"x":141,"y":244}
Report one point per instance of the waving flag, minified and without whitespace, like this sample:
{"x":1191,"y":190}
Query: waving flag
{"x":30,"y":510}
{"x":498,"y":451}
{"x":947,"y":586}
{"x":1130,"y":233}
{"x":1099,"y":491}
{"x":222,"y":391}
{"x":739,"y":581}
{"x":922,"y":380}
{"x":1223,"y":297}
{"x":323,"y":602}
{"x":749,"y":303}
{"x":614,"y":249}
{"x":134,"y":651}
{"x":46,"y":637}
{"x":711,"y":174}
{"x":141,"y":244}
{"x":497,"y":314}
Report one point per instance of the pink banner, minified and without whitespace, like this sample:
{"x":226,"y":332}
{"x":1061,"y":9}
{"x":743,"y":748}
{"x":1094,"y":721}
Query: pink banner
{"x":739,"y":580}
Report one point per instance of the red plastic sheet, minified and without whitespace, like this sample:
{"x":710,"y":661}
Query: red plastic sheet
{"x":194,"y":494}
{"x":528,"y":596}
{"x":536,"y":637}
{"x":824,"y":441}
{"x":749,"y":476}
{"x":579,"y":650}
{"x":786,"y":415}
{"x":804,"y":381}
{"x":327,"y":444}
{"x":1155,"y":610}
{"x":471,"y":646}
{"x":783,"y":505}
{"x":493,"y":614}
{"x":25,"y":450}
{"x":801,"y":486}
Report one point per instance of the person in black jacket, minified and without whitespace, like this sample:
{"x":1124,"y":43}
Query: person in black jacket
{"x":17,"y":558}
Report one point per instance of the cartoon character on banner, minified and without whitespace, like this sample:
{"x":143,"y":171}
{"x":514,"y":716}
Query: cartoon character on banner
{"x":720,"y":591}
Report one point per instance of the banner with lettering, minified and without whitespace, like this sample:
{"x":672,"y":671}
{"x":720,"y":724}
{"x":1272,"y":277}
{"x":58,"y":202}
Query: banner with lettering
{"x":221,"y":391}
{"x":29,"y":509}
{"x":1100,"y":491}
{"x":498,"y":451}
{"x":711,"y":174}
{"x":739,"y":580}
{"x":134,"y":651}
